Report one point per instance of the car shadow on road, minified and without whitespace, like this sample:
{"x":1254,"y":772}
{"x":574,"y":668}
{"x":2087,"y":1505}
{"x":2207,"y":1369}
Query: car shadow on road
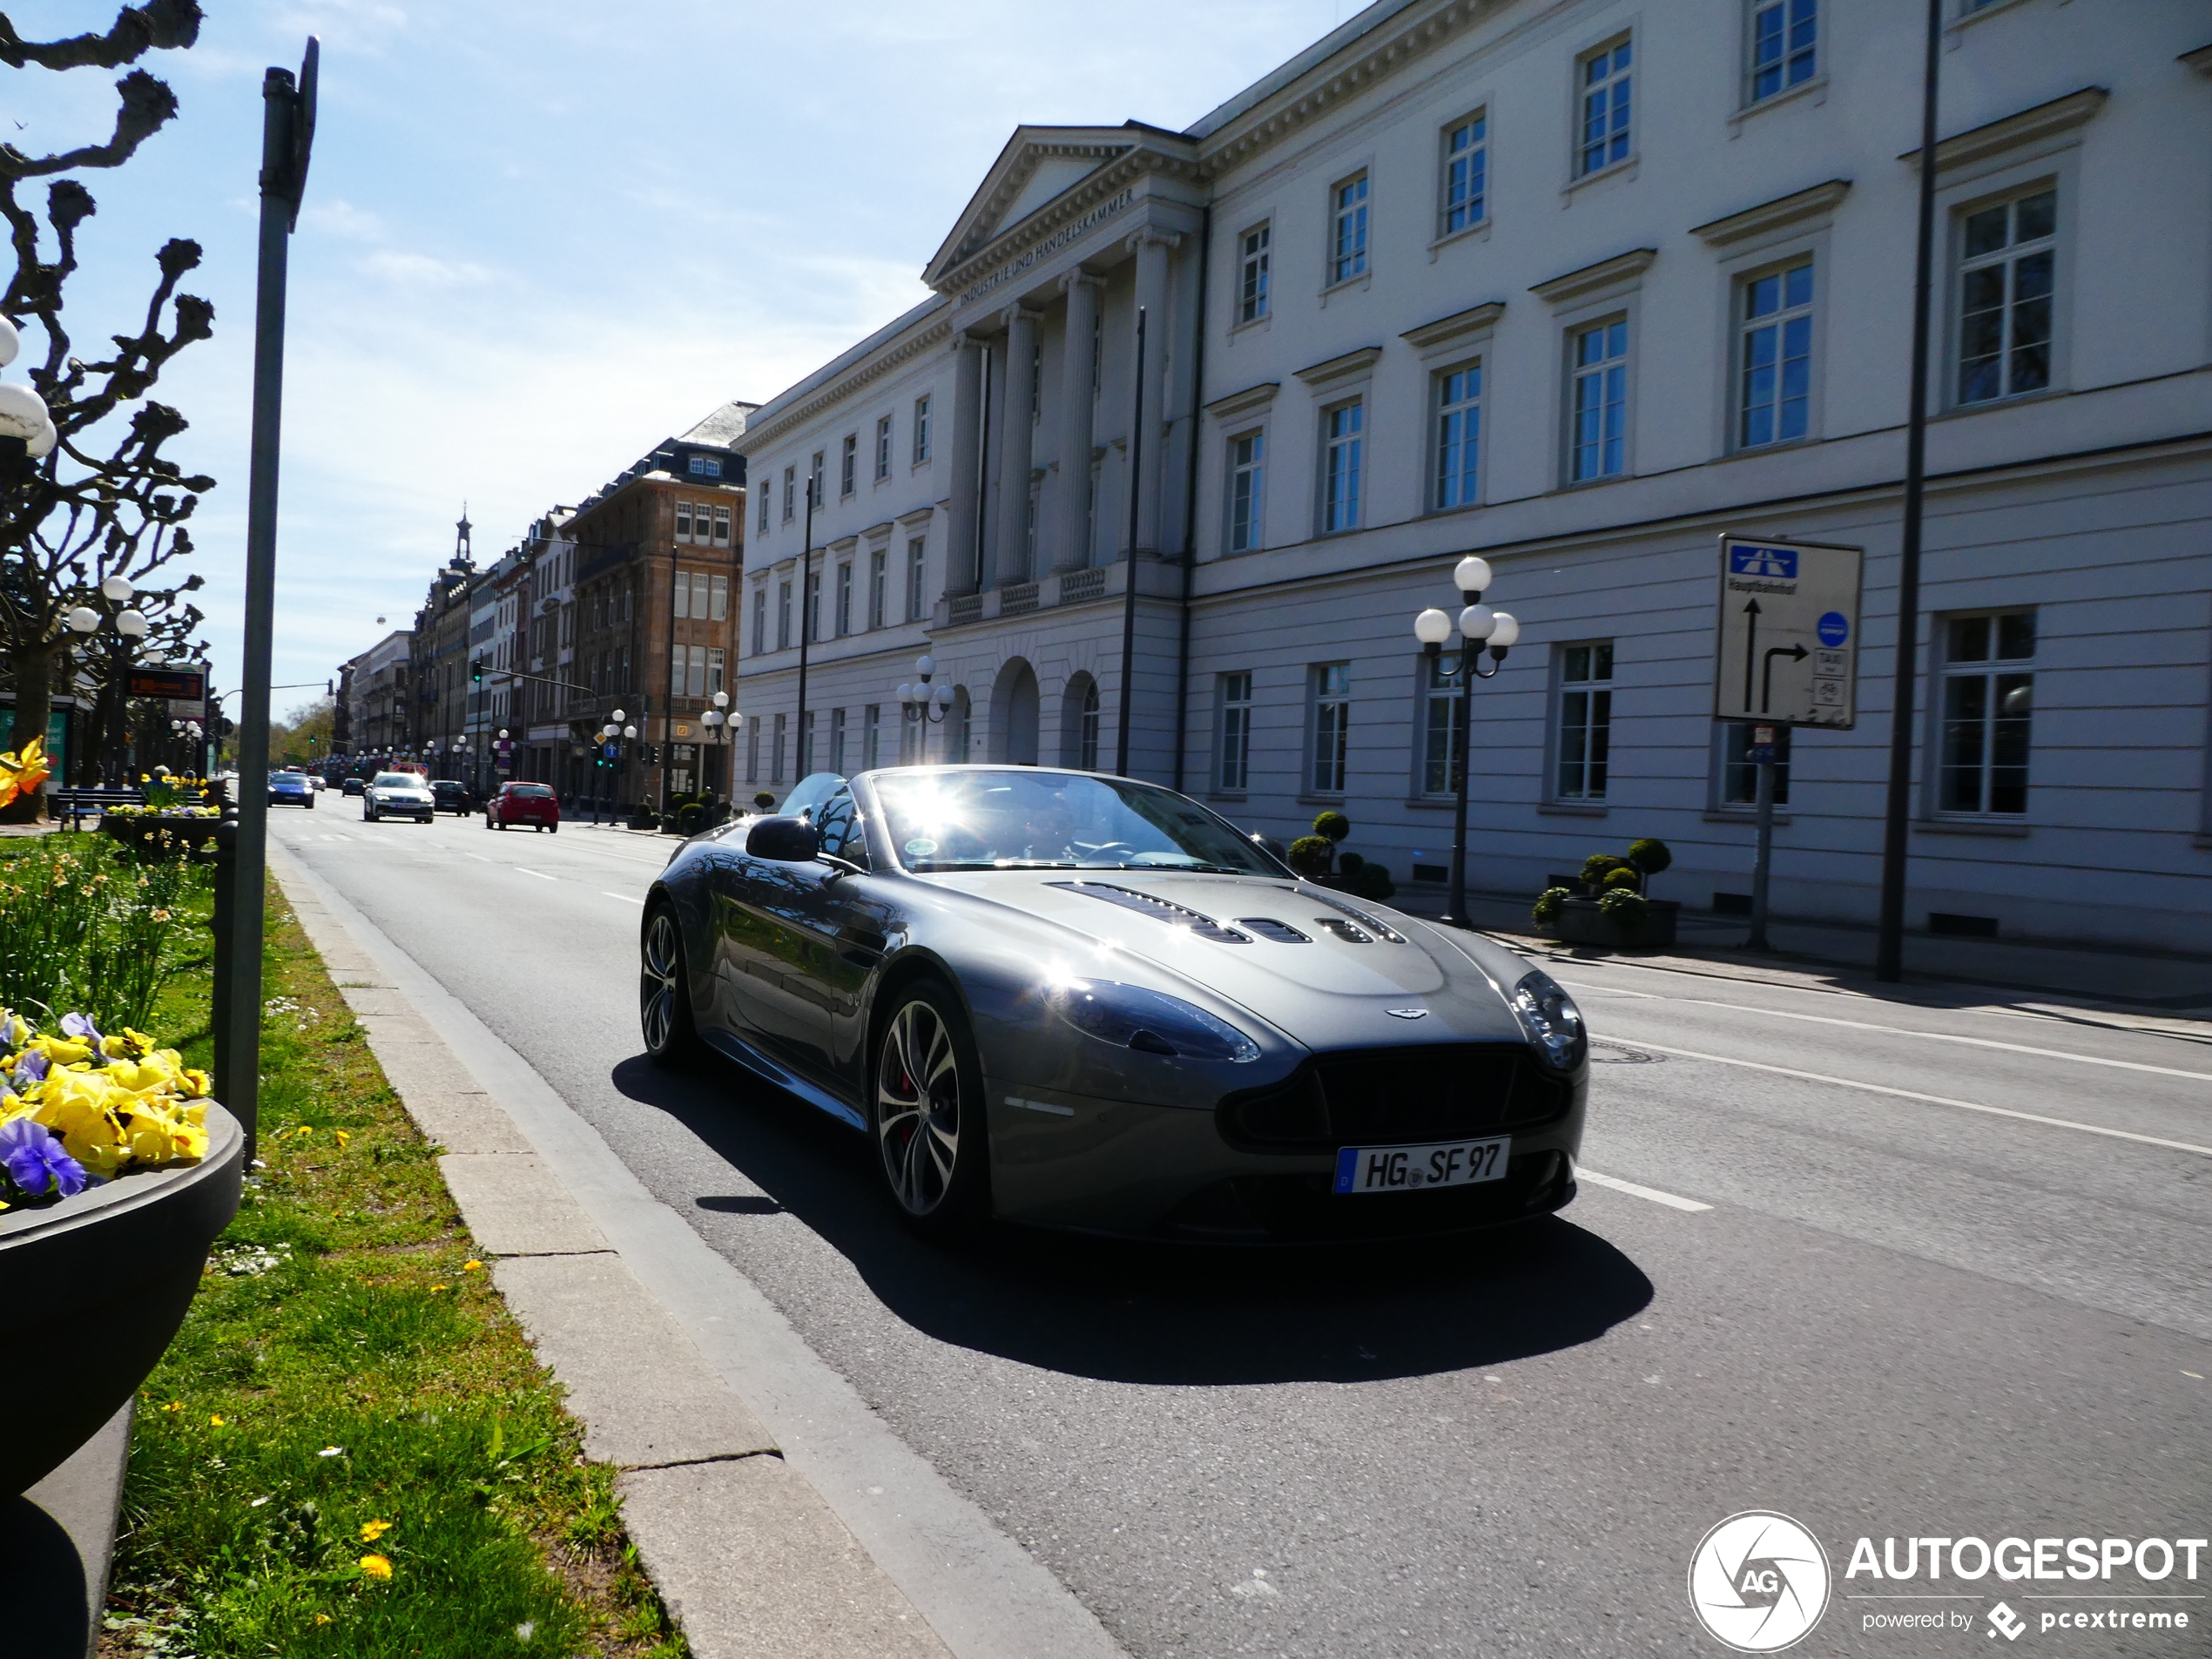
{"x":1145,"y":1312}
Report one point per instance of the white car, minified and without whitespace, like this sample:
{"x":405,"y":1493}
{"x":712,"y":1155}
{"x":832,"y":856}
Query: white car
{"x":397,"y":794}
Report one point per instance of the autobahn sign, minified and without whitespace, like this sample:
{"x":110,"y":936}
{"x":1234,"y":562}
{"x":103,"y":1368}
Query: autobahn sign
{"x":1789,"y":633}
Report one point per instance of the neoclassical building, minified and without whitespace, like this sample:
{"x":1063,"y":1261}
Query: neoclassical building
{"x":1579,"y":285}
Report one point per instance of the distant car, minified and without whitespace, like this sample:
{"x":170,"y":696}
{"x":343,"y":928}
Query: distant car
{"x":316,"y":782}
{"x":520,"y":802}
{"x":397,"y":794}
{"x":352,"y":786}
{"x":452,"y":796}
{"x":291,"y":789}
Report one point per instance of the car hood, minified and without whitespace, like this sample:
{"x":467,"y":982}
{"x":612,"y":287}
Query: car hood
{"x":1347,"y":982}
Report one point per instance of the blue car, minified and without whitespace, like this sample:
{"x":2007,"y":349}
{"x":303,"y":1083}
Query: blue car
{"x":292,"y":789}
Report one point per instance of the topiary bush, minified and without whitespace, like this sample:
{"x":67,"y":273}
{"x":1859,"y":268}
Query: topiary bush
{"x":691,"y":818}
{"x":1309,"y":855}
{"x":1368,"y":881}
{"x":1625,"y":906}
{"x":1622,"y":877}
{"x":1548,"y":904}
{"x":1597,"y":866}
{"x":1348,"y":864}
{"x":1332,"y":827}
{"x":1650,"y":857}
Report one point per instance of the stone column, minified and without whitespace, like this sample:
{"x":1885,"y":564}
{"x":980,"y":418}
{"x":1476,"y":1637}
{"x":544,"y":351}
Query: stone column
{"x":1016,"y":448}
{"x":1152,"y":248}
{"x":1071,"y":509}
{"x":963,"y":507}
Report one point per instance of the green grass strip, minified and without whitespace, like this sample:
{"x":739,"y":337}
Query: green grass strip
{"x":350,"y":1450}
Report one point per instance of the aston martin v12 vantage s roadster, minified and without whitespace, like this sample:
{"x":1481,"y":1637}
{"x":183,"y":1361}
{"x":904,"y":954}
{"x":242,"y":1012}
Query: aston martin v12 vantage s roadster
{"x":1092,"y":1003}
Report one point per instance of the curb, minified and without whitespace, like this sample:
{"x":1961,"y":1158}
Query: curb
{"x":773,"y":1511}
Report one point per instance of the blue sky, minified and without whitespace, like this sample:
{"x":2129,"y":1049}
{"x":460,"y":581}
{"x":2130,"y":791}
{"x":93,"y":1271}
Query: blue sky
{"x":542,"y":237}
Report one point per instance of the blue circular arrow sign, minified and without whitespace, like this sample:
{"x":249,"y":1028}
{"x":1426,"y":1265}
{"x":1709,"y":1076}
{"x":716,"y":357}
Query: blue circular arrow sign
{"x":1834,"y":630}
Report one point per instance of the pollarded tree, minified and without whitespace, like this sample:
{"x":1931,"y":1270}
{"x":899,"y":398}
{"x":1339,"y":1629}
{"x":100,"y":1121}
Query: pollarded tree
{"x":85,"y":493}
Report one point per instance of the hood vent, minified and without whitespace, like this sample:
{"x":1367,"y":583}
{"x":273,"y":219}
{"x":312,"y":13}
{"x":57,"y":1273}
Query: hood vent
{"x":1281,"y":931}
{"x":1159,"y":909}
{"x":1360,"y":916}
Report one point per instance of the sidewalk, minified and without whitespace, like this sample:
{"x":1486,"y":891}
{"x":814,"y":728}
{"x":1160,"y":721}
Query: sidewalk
{"x":1842,"y":957}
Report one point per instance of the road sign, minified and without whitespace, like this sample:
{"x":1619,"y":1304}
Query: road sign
{"x":1789,"y":633}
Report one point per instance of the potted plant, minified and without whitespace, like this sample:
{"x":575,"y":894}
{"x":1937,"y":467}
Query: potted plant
{"x":116,"y":1172}
{"x":1315,"y":858}
{"x":1613,"y":909}
{"x":173,"y":821}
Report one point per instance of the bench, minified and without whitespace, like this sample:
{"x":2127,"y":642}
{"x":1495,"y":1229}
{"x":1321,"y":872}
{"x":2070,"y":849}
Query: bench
{"x":75,"y":803}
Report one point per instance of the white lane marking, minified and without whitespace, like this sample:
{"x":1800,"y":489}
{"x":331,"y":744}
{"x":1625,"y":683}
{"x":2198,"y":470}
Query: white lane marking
{"x":1613,"y":990}
{"x":627,"y":897}
{"x":1635,"y":1192}
{"x":479,"y":856}
{"x":1932,"y":1100}
{"x":1907,"y":1031}
{"x":540,"y":874}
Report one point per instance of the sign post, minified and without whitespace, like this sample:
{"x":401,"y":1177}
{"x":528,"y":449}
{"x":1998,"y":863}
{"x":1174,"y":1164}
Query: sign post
{"x":1787,"y":656}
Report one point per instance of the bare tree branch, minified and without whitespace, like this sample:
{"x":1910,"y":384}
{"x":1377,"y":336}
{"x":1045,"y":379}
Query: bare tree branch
{"x":139,"y":30}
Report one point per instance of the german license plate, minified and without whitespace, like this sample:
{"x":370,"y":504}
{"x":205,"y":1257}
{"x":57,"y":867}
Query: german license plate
{"x":1414,"y":1168}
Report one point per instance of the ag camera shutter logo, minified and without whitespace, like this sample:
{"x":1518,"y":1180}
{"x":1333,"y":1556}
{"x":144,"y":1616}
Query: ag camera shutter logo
{"x":1758,"y":1581}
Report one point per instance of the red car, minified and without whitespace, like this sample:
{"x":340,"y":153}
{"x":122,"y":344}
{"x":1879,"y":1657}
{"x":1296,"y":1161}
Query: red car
{"x":535,"y":804}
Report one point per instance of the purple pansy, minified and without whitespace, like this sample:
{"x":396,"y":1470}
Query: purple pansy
{"x":30,"y":1068}
{"x":80,"y":1026}
{"x":35,"y":1160}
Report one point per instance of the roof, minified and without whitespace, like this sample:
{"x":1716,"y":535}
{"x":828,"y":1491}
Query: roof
{"x":722,"y":428}
{"x":1283,"y":74}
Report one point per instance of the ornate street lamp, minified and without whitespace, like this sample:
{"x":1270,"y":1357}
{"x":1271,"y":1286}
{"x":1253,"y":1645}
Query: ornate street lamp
{"x":722,"y":723}
{"x":1478,"y":625}
{"x":922,"y":706}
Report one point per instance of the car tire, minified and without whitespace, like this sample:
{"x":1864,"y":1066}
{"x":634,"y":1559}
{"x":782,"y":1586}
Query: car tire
{"x":552,"y":829}
{"x":664,"y":990}
{"x":932,"y":1142}
{"x":309,"y":803}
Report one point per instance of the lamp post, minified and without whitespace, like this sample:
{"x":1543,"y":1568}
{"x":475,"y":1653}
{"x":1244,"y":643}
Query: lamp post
{"x":129,"y":624}
{"x":1478,"y":626}
{"x":922,"y":706}
{"x":722,"y":723}
{"x":805,"y":619}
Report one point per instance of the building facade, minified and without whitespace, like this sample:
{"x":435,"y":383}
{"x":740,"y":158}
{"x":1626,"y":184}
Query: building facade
{"x":374,"y":687}
{"x":1581,"y":288}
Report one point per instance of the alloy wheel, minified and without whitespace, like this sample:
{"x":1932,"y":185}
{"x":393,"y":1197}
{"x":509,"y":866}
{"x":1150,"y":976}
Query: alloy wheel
{"x":918,"y":1107}
{"x":660,"y":982}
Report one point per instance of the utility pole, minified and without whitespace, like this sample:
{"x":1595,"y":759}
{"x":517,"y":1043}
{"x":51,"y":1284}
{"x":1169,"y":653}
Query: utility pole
{"x":1129,"y":596}
{"x":287,"y":137}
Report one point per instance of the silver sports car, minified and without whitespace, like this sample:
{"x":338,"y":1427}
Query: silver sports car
{"x":1087,"y":1003}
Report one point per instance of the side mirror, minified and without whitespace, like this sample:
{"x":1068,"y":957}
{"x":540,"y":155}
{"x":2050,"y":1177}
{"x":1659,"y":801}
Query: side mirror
{"x":787,"y":840}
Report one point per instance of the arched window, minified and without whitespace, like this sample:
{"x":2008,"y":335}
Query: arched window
{"x":1087,"y":751}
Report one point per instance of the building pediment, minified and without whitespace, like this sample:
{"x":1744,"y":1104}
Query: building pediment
{"x":1045,"y":178}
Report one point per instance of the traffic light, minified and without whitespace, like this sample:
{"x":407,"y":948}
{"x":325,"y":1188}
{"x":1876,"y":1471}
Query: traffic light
{"x":476,"y":671}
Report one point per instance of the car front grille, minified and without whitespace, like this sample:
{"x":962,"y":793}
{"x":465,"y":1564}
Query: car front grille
{"x":1381,"y":1096}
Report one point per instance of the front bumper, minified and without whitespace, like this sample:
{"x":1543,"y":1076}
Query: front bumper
{"x":1168,"y":1171}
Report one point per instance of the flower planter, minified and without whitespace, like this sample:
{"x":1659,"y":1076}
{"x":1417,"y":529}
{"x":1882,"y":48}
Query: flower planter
{"x":1582,"y":921}
{"x":96,"y":1287}
{"x":165,"y":835}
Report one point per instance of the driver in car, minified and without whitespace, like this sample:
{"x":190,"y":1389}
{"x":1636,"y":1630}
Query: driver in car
{"x":1049,"y":834}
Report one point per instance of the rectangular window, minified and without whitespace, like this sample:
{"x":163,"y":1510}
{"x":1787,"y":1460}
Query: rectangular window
{"x":1598,"y":444}
{"x":910,"y":740}
{"x":883,"y":449}
{"x":715,"y":681}
{"x":1784,"y":42}
{"x":1348,"y":240}
{"x":807,"y":744}
{"x":1251,"y":282}
{"x":1585,"y":721}
{"x":813,"y":619}
{"x":702,"y":594}
{"x":1466,"y":160}
{"x":1236,"y":731}
{"x":845,"y":598}
{"x":1776,"y":351}
{"x":722,"y":527}
{"x":1340,"y":467}
{"x":915,"y":595}
{"x":1087,"y":733}
{"x":682,"y":604}
{"x":2006,"y":276}
{"x":1443,"y":728}
{"x":760,"y":620}
{"x":921,"y":430}
{"x":763,"y":512}
{"x":790,"y":491}
{"x":879,"y":584}
{"x":1988,"y":702}
{"x":695,"y":672}
{"x":783,"y":616}
{"x":837,"y":742}
{"x":683,"y":521}
{"x":775,"y":750}
{"x":753,"y":754}
{"x":1331,"y":726}
{"x":1740,"y":774}
{"x":849,"y":465}
{"x":1247,"y":475}
{"x":1458,"y":436}
{"x":718,"y":602}
{"x":817,"y":478}
{"x":871,"y":736}
{"x":1605,"y":130}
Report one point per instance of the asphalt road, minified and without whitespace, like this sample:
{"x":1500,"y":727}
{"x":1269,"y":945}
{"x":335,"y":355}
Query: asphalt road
{"x":1951,"y":1277}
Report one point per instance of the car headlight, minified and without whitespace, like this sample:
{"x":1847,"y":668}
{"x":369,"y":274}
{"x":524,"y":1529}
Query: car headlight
{"x":1552,"y":1021}
{"x":1130,"y":1017}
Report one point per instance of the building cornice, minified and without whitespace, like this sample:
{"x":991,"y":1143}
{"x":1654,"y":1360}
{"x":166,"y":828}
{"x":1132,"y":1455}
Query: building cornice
{"x":2199,"y":58}
{"x":1460,"y":324}
{"x":1102,"y":196}
{"x":1251,"y":397}
{"x":1606,"y":273}
{"x":2013,"y":131}
{"x":1768,"y":216}
{"x":762,"y":435}
{"x":1336,"y":370}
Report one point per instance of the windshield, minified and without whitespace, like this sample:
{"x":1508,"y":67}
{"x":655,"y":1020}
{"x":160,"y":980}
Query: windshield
{"x":1029,"y":819}
{"x":396,"y":780}
{"x":529,"y":792}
